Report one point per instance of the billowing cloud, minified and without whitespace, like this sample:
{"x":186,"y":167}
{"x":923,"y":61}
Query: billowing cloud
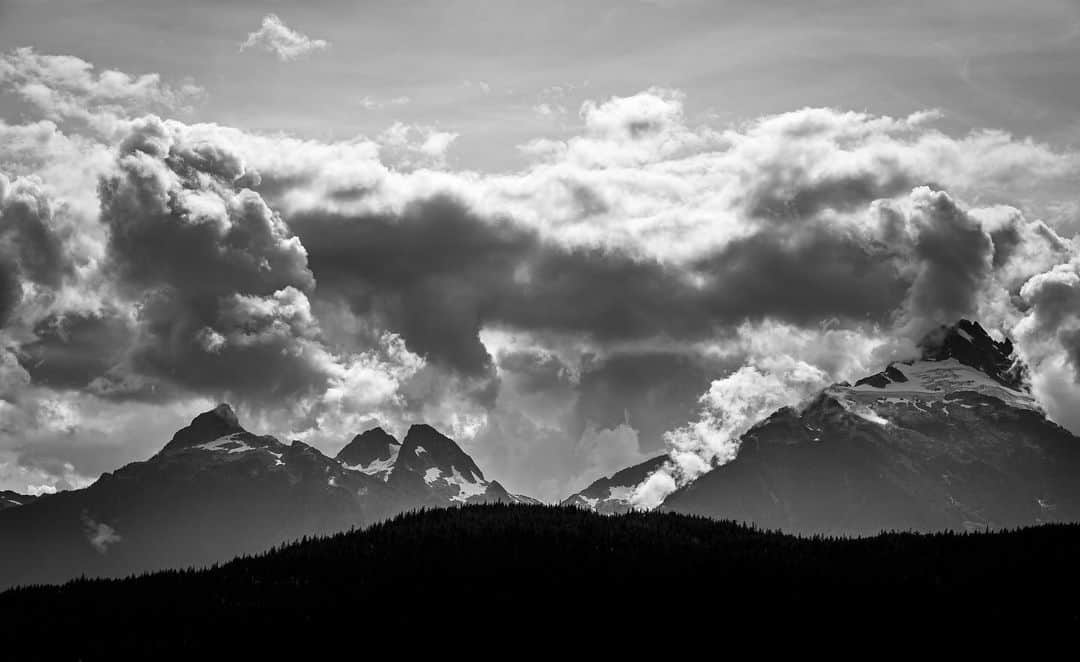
{"x":67,"y":87}
{"x":281,"y":40}
{"x":643,"y":284}
{"x":31,"y":253}
{"x":730,"y":407}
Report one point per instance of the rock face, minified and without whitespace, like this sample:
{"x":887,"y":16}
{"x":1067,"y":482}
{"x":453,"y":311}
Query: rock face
{"x":950,"y":441}
{"x":216,"y":491}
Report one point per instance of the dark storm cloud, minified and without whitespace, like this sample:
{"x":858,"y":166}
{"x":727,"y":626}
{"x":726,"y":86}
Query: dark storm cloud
{"x":169,"y":228}
{"x":955,"y":256}
{"x":431,"y":274}
{"x":30,"y":246}
{"x":536,"y":371}
{"x":784,"y":194}
{"x":438,"y":273}
{"x":1005,"y":241}
{"x":228,"y":349}
{"x":219,"y":277}
{"x":9,"y":290}
{"x":653,"y":392}
{"x":803,"y":274}
{"x":72,"y":350}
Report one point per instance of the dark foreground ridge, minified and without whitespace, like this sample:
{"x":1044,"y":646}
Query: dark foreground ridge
{"x":480,"y":574}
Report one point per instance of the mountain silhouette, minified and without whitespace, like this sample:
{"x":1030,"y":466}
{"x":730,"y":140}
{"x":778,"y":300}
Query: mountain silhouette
{"x":950,"y":441}
{"x":216,"y":491}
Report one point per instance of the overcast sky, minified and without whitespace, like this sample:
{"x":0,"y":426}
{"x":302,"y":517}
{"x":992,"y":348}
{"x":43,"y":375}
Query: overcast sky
{"x":563,"y":232}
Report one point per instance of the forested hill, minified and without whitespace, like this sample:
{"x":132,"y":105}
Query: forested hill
{"x":475,"y":575}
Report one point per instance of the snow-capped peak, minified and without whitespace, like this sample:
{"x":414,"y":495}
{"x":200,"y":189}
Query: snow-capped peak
{"x":968,"y":343}
{"x":957,"y":359}
{"x":373,"y":452}
{"x":208,"y":426}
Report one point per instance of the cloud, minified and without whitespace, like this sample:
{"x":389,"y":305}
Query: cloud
{"x":407,"y":146}
{"x":281,"y":40}
{"x":952,"y":258}
{"x":99,"y":534}
{"x":602,"y":452}
{"x":67,"y":87}
{"x":31,"y":254}
{"x":544,"y":316}
{"x":730,"y":407}
{"x":371,"y":103}
{"x":549,"y":110}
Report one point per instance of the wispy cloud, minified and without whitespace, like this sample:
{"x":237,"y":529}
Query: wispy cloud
{"x":99,"y":534}
{"x":373,"y":103}
{"x":281,"y":40}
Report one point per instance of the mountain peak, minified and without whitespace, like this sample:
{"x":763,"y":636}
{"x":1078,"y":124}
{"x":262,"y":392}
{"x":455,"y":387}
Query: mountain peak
{"x":376,"y":434}
{"x":225,"y":413}
{"x":425,"y":447}
{"x":970,"y":344}
{"x":207,"y":426}
{"x":369,"y":446}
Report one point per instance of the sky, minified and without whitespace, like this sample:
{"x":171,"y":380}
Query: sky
{"x":570,"y":235}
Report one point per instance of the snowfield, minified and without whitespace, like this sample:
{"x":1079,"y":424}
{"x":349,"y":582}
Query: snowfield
{"x":933,"y":380}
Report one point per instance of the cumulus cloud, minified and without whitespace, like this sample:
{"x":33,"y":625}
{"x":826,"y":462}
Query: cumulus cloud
{"x":281,"y":40}
{"x":565,"y":315}
{"x":31,"y":254}
{"x":67,"y":87}
{"x":409,"y":146}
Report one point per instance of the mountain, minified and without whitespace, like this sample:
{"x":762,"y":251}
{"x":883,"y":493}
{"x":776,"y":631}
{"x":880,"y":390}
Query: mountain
{"x":216,"y":491}
{"x":372,"y":452}
{"x":9,"y":499}
{"x":611,"y":494}
{"x":952,"y":440}
{"x":431,"y":578}
{"x":427,"y":469}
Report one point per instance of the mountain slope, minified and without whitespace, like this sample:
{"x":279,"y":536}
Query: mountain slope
{"x":950,"y":441}
{"x":503,"y":573}
{"x":433,"y":466}
{"x":372,"y":452}
{"x":9,"y":499}
{"x":213,"y":492}
{"x":611,"y":494}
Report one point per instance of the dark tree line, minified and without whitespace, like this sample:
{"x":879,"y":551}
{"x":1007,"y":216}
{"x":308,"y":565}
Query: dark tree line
{"x":477,"y":575}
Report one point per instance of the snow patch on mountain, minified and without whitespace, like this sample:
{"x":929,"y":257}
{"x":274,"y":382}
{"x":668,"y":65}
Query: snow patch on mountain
{"x":861,"y":410}
{"x":933,"y":380}
{"x":581,"y":499}
{"x":377,"y":467}
{"x":230,"y":443}
{"x":467,"y":487}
